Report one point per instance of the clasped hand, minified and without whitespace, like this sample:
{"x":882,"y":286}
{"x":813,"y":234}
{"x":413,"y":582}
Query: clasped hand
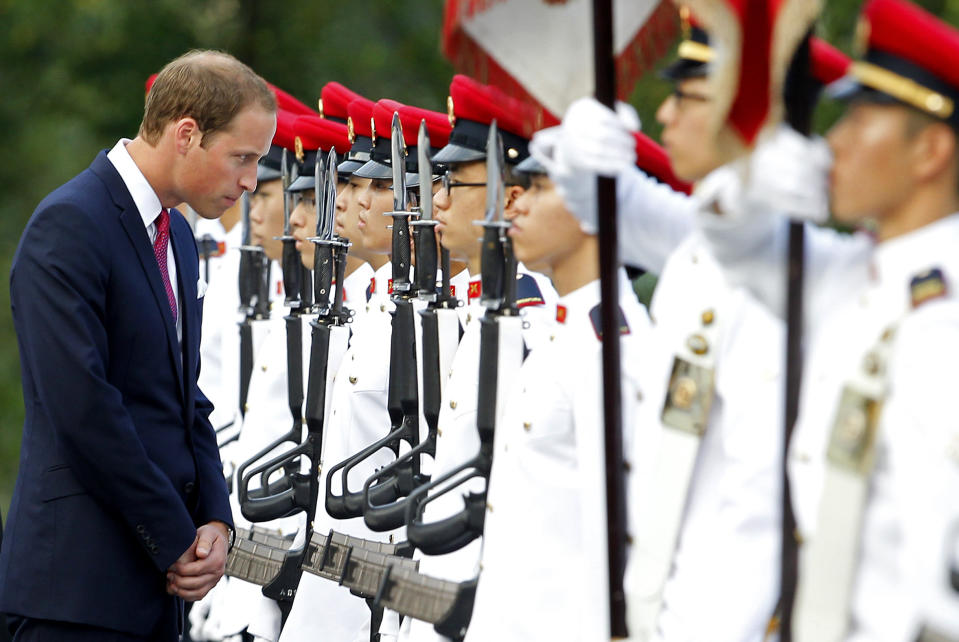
{"x":202,"y":565}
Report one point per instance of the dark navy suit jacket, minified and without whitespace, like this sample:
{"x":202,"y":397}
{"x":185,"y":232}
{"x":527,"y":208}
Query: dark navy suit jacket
{"x":119,"y":463}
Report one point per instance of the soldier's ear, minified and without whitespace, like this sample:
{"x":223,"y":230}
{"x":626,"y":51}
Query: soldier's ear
{"x":513,"y":192}
{"x":937,"y":153}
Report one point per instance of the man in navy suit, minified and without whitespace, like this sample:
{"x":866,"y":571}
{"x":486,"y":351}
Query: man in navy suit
{"x":120,"y":510}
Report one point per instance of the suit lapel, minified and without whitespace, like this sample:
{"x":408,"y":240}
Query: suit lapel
{"x":133,"y":224}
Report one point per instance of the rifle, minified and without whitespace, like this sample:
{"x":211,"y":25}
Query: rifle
{"x":254,"y":286}
{"x":500,"y":338}
{"x":297,"y":491}
{"x":440,"y":311}
{"x":299,"y":299}
{"x":402,"y":397}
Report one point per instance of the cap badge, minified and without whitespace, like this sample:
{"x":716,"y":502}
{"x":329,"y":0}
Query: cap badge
{"x":373,"y":129}
{"x":350,"y":133}
{"x":298,"y":148}
{"x":319,"y":105}
{"x":449,"y":111}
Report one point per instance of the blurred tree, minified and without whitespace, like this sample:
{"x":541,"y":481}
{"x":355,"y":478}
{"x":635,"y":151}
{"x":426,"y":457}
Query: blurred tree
{"x":72,"y":74}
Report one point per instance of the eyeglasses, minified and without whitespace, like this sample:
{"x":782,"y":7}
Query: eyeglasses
{"x":449,"y":184}
{"x":681,"y":95}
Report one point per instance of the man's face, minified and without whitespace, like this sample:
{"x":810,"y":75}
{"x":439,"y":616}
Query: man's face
{"x":348,"y":213}
{"x":375,"y":201}
{"x":303,"y":226}
{"x":872,"y":160}
{"x":266,"y":218}
{"x":211,"y":177}
{"x":543,"y":231}
{"x":685,"y":116}
{"x":457,"y":210}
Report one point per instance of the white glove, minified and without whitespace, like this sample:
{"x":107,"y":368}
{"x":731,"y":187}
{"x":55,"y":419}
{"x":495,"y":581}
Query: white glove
{"x":597,"y":139}
{"x":789,"y":173}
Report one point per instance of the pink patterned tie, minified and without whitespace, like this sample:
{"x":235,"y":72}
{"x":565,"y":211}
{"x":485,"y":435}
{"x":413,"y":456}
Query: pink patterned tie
{"x":159,"y":250}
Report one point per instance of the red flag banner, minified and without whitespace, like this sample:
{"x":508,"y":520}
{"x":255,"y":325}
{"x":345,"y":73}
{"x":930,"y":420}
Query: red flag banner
{"x":541,"y":51}
{"x":754,"y":42}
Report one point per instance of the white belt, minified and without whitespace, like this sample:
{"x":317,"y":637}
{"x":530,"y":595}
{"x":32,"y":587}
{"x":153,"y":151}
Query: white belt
{"x":829,"y":559}
{"x":685,"y":416}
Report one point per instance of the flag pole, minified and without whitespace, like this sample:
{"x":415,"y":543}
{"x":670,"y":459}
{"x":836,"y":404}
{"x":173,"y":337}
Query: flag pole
{"x":605,"y":76}
{"x":799,"y":116}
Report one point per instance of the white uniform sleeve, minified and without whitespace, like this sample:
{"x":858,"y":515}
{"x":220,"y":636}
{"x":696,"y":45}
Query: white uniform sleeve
{"x":653,"y":219}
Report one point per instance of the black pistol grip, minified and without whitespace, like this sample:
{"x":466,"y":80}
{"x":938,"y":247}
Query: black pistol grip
{"x":426,"y":259}
{"x":492,"y":262}
{"x":323,"y":269}
{"x":292,"y":271}
{"x":401,"y":249}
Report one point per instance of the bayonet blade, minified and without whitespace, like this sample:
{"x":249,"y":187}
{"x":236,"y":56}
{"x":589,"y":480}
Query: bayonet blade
{"x":330,"y":188}
{"x":426,"y":172}
{"x":245,"y":217}
{"x":495,"y":191}
{"x":398,"y":160}
{"x":285,"y":171}
{"x":319,"y":194}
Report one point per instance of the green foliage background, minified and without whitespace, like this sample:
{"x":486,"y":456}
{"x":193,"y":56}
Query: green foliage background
{"x":72,"y":74}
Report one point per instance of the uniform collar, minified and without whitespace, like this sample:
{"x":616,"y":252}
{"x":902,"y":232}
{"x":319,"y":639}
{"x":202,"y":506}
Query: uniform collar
{"x":576,"y":305}
{"x":460,"y":284}
{"x":899,"y":259}
{"x":383,"y":277}
{"x":146,"y":200}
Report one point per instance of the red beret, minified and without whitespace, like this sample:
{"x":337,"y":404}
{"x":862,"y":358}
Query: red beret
{"x":315,"y":133}
{"x":472,"y":100}
{"x":437,"y":125}
{"x":286,"y":102}
{"x":335,"y":100}
{"x":284,"y":136}
{"x":910,"y":58}
{"x":828,"y":63}
{"x":383,"y":118}
{"x":152,"y":79}
{"x":360,"y":114}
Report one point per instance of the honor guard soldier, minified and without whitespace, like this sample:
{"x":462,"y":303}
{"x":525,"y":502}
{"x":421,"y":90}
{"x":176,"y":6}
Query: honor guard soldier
{"x":707,"y":450}
{"x":543,"y":572}
{"x":873,"y":461}
{"x":323,"y":610}
{"x":459,"y":205}
{"x":704,"y":492}
{"x":317,"y":137}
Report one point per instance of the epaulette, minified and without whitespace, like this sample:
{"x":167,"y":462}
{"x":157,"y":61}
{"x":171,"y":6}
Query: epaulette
{"x":594,"y":317}
{"x":527,"y":291}
{"x":927,"y":286}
